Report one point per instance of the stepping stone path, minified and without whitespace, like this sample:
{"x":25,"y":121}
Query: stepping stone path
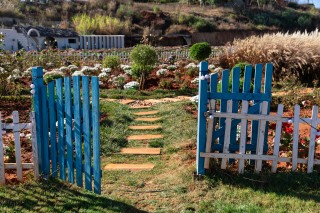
{"x":149,"y":127}
{"x":141,"y":137}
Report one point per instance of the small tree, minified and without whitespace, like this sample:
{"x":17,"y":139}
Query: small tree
{"x":112,"y":62}
{"x":143,"y":58}
{"x":200,"y":51}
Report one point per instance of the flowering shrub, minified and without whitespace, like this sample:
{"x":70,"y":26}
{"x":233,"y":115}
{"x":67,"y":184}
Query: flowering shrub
{"x":286,"y":140}
{"x":195,"y":81}
{"x":119,"y":81}
{"x":162,"y":72}
{"x":191,"y":65}
{"x":52,"y":75}
{"x":172,"y":67}
{"x":127,"y":69}
{"x":73,"y":68}
{"x":131,"y":85}
{"x":78,"y":73}
{"x":106,"y":70}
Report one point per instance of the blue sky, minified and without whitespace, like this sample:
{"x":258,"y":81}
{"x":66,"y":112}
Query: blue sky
{"x":315,"y":2}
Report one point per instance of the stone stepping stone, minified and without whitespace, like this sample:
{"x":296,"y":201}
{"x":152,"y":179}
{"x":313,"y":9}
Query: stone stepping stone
{"x":145,"y":127}
{"x":140,"y":107}
{"x":141,"y":151}
{"x":148,"y":119}
{"x":144,"y":137}
{"x":127,"y":101}
{"x":130,"y":167}
{"x":147,"y":112}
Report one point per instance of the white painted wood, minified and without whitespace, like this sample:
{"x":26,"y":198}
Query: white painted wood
{"x":313,"y":133}
{"x":247,"y":116}
{"x":2,"y":171}
{"x":255,"y":157}
{"x":227,"y":135}
{"x":277,"y":140}
{"x":22,"y":126}
{"x":261,"y":134}
{"x":14,"y":166}
{"x":34,"y":146}
{"x":295,"y":137}
{"x":243,"y":135}
{"x":17,"y":146}
{"x":210,"y":131}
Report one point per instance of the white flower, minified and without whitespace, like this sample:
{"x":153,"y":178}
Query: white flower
{"x":195,"y":81}
{"x":29,"y":136}
{"x":63,"y":69}
{"x":191,"y":65}
{"x":218,"y":69}
{"x":106,"y":70}
{"x":85,"y":68}
{"x":98,"y":66}
{"x":162,"y":72}
{"x":2,"y":71}
{"x":73,"y":67}
{"x":125,"y":67}
{"x":100,"y":83}
{"x":78,"y":73}
{"x":103,"y":75}
{"x":131,"y":85}
{"x":5,"y":149}
{"x":22,"y":134}
{"x":211,"y":67}
{"x":194,"y":98}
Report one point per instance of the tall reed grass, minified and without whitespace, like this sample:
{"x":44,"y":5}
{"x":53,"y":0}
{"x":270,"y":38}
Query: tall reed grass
{"x":100,"y":25}
{"x":291,"y":54}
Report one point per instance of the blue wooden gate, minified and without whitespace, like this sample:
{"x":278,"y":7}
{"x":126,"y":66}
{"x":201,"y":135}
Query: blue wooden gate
{"x":67,"y":125}
{"x":210,"y":95}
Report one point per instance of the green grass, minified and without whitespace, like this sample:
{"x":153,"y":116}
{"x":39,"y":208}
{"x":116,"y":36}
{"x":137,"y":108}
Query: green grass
{"x":55,"y":196}
{"x":170,"y":186}
{"x":142,"y":95}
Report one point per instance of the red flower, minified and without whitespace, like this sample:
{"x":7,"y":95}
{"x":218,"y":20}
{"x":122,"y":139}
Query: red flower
{"x":288,"y":130}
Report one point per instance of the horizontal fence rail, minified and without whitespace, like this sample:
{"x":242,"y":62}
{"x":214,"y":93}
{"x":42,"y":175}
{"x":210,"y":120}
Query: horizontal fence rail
{"x":242,"y":155}
{"x":18,"y":165}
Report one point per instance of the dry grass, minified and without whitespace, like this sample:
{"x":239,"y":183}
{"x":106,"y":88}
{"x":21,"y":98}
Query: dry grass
{"x":292,"y":54}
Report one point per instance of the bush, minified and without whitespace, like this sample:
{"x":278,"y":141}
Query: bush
{"x":202,"y":25}
{"x":242,"y":66}
{"x":112,"y":62}
{"x":50,"y":76}
{"x":143,"y":58}
{"x":305,"y":21}
{"x":200,"y":51}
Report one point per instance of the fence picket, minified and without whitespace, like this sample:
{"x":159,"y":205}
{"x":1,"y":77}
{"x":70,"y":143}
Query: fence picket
{"x":45,"y":131}
{"x":53,"y":131}
{"x":235,"y":89}
{"x":243,"y":135}
{"x":256,"y":89}
{"x":68,"y":114}
{"x":17,"y":146}
{"x":313,"y":133}
{"x":77,"y":129}
{"x":86,"y":132}
{"x":223,"y":103}
{"x":295,"y":146}
{"x":227,"y":135}
{"x":96,"y":135}
{"x":212,"y":107}
{"x":261,"y":135}
{"x":2,"y":173}
{"x":277,"y":139}
{"x":60,"y":114}
{"x":34,"y":146}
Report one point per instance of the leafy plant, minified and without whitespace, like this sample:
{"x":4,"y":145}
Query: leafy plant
{"x":165,"y":84}
{"x":200,"y":51}
{"x":143,"y":58}
{"x":112,"y":62}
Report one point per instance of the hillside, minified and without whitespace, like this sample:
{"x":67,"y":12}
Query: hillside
{"x":158,"y":19}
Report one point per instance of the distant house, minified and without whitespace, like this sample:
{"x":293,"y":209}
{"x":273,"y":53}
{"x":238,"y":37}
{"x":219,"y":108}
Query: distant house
{"x":38,"y":38}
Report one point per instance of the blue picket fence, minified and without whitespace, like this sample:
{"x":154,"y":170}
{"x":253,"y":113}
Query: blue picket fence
{"x":67,"y":124}
{"x":218,"y":93}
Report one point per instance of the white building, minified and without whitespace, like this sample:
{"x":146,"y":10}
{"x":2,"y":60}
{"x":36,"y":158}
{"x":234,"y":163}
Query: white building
{"x":38,"y":38}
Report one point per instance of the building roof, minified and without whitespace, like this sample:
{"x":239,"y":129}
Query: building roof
{"x":48,"y":32}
